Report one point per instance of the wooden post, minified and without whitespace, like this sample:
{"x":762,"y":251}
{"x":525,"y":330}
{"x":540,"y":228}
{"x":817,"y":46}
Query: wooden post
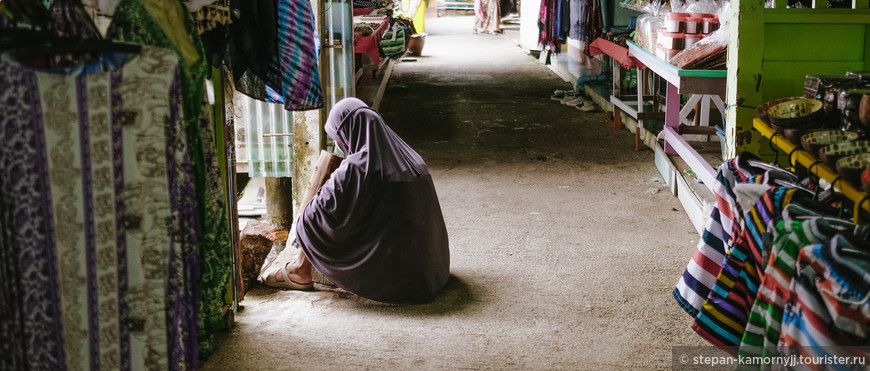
{"x":745,"y":51}
{"x":308,"y":140}
{"x":309,"y":137}
{"x":279,"y":201}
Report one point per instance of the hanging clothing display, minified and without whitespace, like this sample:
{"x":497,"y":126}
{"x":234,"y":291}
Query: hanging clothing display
{"x":722,"y":318}
{"x":594,"y":24}
{"x":98,"y":220}
{"x":135,"y":21}
{"x":561,"y":20}
{"x":792,"y":278}
{"x":294,"y":72}
{"x":274,"y":51}
{"x":253,"y":45}
{"x":547,"y":28}
{"x":577,"y":19}
{"x":213,"y":25}
{"x":764,"y":321}
{"x":71,"y":20}
{"x":826,"y":298}
{"x":724,"y":222}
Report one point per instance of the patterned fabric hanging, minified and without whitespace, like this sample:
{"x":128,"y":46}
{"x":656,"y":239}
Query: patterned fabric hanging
{"x":132,"y":22}
{"x":98,"y":220}
{"x":294,"y":73}
{"x":71,"y":20}
{"x":274,"y":59}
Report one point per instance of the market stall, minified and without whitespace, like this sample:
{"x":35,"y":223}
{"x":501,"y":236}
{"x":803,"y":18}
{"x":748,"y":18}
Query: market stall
{"x":780,"y":269}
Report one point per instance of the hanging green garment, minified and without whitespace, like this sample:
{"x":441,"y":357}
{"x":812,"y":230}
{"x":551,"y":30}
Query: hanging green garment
{"x":167,"y":25}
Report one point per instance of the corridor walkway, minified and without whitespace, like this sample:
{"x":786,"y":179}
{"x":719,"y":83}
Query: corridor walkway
{"x":565,"y":244}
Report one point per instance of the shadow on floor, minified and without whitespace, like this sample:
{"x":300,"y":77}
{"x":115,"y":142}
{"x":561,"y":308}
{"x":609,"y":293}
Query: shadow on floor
{"x":457,"y":296}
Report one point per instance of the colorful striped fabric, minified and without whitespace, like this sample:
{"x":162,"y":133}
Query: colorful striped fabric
{"x":293,"y":73}
{"x":821,"y":284}
{"x":722,"y":319}
{"x":846,"y":287}
{"x":724,"y":222}
{"x":763,"y":327}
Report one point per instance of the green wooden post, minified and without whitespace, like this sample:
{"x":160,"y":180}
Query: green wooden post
{"x":309,"y":138}
{"x":866,"y":41}
{"x":743,"y":93}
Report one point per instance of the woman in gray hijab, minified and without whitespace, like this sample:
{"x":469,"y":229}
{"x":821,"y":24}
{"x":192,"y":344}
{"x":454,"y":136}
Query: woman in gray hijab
{"x":375,"y":228}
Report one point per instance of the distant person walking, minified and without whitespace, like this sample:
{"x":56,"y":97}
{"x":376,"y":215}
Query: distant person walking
{"x":487,"y":16}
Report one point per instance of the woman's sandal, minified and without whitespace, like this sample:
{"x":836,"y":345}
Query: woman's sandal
{"x":278,"y":278}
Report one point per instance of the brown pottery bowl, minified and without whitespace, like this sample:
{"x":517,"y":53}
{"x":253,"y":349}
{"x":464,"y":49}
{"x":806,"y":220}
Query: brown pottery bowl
{"x":814,"y":141}
{"x":830,"y":154}
{"x":761,"y":111}
{"x":796,"y":113}
{"x":850,"y":168}
{"x":794,"y":135}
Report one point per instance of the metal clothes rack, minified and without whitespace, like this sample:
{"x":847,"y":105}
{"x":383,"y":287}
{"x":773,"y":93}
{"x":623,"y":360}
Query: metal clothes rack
{"x":797,"y":155}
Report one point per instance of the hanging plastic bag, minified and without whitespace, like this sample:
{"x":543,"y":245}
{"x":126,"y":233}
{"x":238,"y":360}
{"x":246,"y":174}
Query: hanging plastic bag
{"x":710,"y":52}
{"x":648,"y":24}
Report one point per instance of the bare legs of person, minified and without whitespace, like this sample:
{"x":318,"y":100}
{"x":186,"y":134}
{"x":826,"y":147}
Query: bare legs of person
{"x":299,"y":269}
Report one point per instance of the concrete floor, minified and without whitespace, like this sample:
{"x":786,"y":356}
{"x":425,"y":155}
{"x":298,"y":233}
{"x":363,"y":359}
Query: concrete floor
{"x":565,"y":242}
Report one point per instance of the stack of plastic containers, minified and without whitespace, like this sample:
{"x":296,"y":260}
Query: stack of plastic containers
{"x":672,"y":38}
{"x":682,"y":30}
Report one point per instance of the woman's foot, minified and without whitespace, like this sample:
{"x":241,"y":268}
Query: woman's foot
{"x":295,"y":275}
{"x":299,"y":269}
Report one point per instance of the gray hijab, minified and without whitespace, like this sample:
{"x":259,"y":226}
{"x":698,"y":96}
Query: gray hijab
{"x":375,"y":228}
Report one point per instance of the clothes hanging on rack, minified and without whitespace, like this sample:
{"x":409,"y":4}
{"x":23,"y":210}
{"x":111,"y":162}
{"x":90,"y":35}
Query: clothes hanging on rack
{"x":135,"y":23}
{"x":722,"y":318}
{"x":793,"y":278}
{"x":594,"y":24}
{"x":724,"y":222}
{"x":764,"y":322}
{"x":547,"y":28}
{"x":273,"y":53}
{"x":577,"y":19}
{"x":98,"y":219}
{"x":294,"y":72}
{"x":827,"y":300}
{"x":71,"y":20}
{"x":253,"y":44}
